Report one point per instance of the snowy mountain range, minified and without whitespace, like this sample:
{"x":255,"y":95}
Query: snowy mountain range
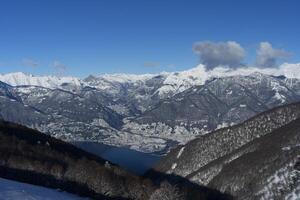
{"x":149,"y":112}
{"x":20,"y":78}
{"x":172,"y":81}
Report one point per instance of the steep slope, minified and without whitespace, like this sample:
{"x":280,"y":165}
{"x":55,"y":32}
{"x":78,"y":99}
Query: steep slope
{"x":246,"y":160}
{"x":137,"y":91}
{"x":218,"y":103}
{"x":29,"y":156}
{"x":223,"y":98}
{"x":60,"y":113}
{"x":7,"y":91}
{"x":13,"y":109}
{"x":270,"y":169}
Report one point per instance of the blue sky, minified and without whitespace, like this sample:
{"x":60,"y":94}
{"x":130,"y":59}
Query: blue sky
{"x":136,"y":36}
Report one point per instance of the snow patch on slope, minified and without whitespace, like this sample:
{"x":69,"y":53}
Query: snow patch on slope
{"x":285,"y":181}
{"x":180,"y":152}
{"x":12,"y":190}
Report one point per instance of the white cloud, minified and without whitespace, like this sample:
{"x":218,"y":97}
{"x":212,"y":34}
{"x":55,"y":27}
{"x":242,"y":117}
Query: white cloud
{"x":59,"y":67}
{"x":267,"y":56}
{"x":151,"y":64}
{"x":213,"y":54}
{"x":29,"y":62}
{"x":288,"y":70}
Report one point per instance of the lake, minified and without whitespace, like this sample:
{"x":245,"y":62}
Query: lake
{"x":132,"y":160}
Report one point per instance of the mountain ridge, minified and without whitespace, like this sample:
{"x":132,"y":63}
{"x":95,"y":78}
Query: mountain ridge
{"x":135,"y":114}
{"x":228,"y":158}
{"x":186,"y":78}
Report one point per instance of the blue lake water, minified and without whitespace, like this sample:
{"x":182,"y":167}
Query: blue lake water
{"x":134,"y":161}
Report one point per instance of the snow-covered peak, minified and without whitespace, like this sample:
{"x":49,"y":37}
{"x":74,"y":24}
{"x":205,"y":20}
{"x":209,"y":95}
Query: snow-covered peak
{"x":123,"y":78}
{"x":20,"y":78}
{"x":180,"y":81}
{"x":112,"y":82}
{"x":173,"y":82}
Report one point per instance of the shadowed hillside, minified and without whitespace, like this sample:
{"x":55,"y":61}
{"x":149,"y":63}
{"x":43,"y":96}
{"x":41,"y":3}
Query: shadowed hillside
{"x":29,"y":156}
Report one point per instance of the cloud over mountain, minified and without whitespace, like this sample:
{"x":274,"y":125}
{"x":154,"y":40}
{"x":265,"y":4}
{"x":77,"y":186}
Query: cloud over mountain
{"x":59,"y":67}
{"x":213,"y":54}
{"x":29,"y":62}
{"x":151,"y":64}
{"x":267,"y":56}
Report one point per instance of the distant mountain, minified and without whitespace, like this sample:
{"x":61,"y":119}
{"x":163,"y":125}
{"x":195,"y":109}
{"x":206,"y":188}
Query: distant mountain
{"x":218,"y":103}
{"x":257,"y":159}
{"x":171,"y":82}
{"x":19,"y":78}
{"x":29,"y":156}
{"x":150,"y":112}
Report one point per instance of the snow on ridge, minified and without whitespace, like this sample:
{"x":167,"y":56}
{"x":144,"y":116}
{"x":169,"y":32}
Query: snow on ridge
{"x":180,"y":81}
{"x":198,"y":75}
{"x":122,"y":78}
{"x":174,"y":82}
{"x":288,"y":70}
{"x":20,"y":78}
